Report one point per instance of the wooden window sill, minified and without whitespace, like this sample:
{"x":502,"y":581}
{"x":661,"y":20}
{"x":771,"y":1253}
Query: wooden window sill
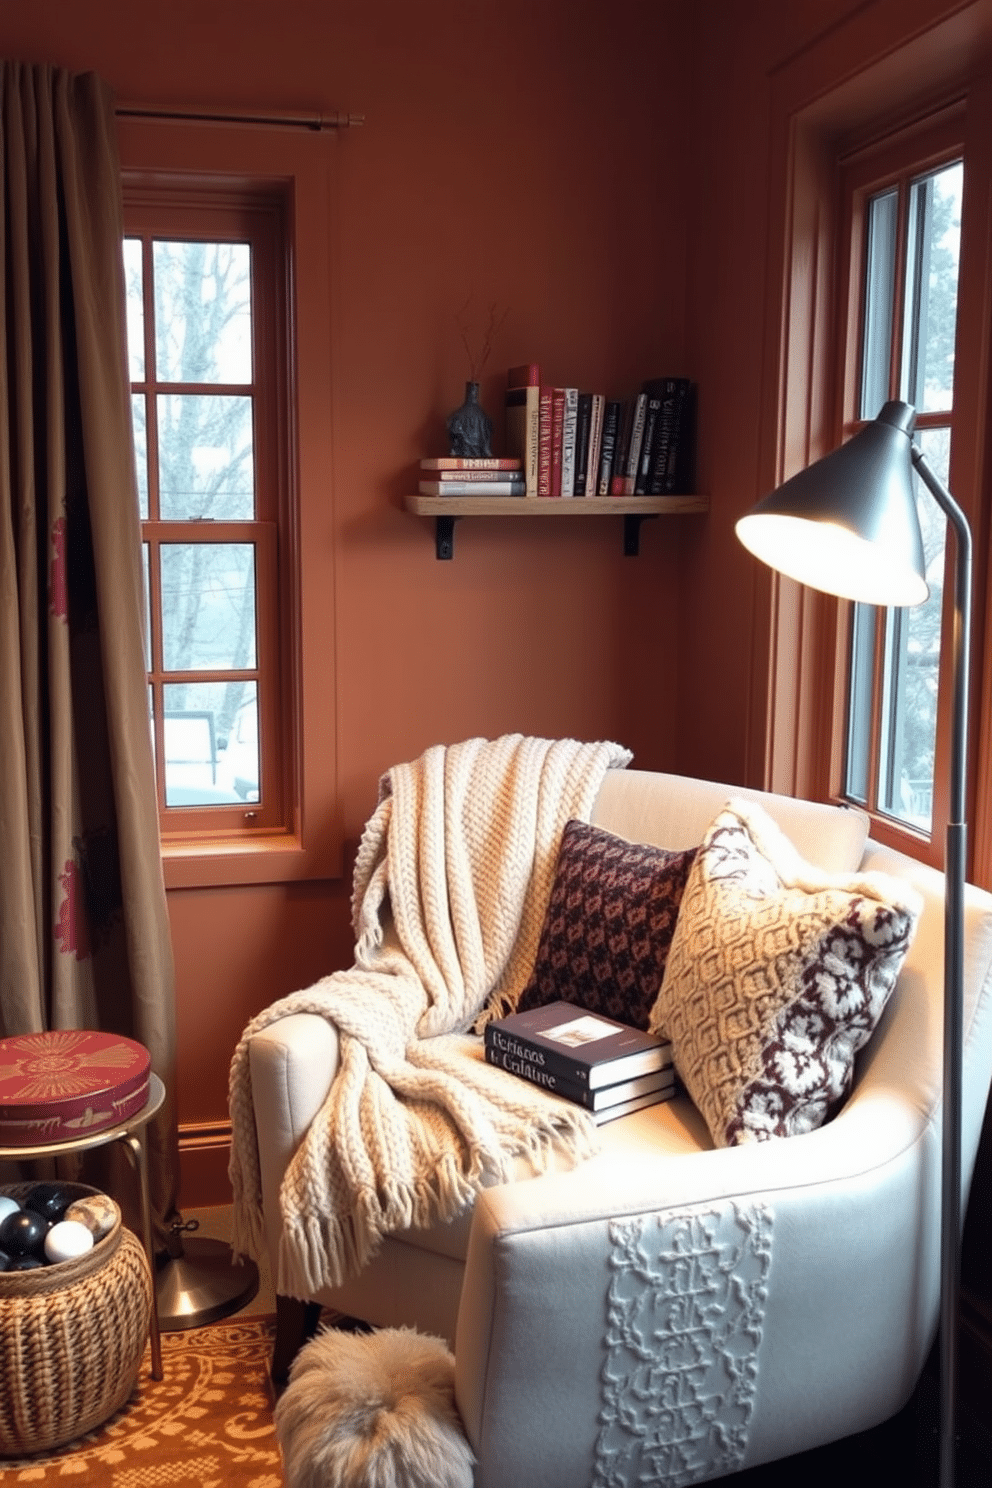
{"x":192,"y":863}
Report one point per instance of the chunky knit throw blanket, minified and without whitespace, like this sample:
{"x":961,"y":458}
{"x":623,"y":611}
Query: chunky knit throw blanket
{"x":451,"y":884}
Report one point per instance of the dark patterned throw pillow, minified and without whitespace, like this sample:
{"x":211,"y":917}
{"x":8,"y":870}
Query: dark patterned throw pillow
{"x":609,"y":924}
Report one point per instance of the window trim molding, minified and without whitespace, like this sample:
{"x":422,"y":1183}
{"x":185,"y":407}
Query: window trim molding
{"x":930,"y":142}
{"x":798,"y":661}
{"x":300,"y":166}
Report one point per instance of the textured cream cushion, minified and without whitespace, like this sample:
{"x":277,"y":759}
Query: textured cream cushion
{"x":777,"y":975}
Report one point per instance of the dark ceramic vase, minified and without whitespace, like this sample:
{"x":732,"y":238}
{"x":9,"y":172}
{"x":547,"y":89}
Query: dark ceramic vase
{"x":470,"y":429}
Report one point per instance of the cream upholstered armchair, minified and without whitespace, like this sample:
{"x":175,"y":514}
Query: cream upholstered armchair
{"x":669,"y":1309}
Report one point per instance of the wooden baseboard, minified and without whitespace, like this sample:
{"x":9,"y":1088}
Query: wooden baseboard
{"x":204,"y":1153}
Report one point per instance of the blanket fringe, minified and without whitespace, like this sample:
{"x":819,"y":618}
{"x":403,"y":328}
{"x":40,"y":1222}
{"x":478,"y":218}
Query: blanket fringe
{"x":247,"y":1231}
{"x":315,"y":1253}
{"x":320,"y":1252}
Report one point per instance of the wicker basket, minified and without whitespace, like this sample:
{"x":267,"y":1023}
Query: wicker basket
{"x":71,"y":1340}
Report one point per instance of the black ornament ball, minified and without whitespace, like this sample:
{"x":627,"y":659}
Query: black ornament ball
{"x":50,"y":1200}
{"x":23,"y":1233}
{"x":26,"y":1263}
{"x":5,"y":1261}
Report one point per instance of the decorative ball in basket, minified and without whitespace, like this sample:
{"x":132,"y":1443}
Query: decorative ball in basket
{"x":73,"y":1330}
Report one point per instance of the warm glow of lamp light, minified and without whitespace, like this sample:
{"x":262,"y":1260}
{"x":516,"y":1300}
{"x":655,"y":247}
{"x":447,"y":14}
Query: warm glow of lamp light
{"x":827,"y":556}
{"x":848,"y":525}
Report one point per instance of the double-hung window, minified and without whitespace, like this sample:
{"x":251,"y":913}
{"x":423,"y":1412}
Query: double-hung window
{"x":227,"y":230}
{"x":906,"y":264}
{"x":204,"y":281}
{"x":886,"y":224}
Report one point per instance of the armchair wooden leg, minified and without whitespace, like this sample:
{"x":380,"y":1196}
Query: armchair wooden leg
{"x":296,"y":1322}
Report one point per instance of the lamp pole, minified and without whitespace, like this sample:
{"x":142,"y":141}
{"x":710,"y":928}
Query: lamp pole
{"x":954,"y":880}
{"x":848,"y":525}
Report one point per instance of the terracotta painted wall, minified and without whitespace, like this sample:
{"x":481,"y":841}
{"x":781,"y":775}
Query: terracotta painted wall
{"x":736,"y":51}
{"x":528,"y":155}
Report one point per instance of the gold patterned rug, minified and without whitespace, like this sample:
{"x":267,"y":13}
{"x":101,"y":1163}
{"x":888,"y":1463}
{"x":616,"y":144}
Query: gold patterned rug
{"x":206,"y":1424}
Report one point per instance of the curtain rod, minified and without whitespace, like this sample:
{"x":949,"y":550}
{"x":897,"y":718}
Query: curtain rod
{"x":269,"y":117}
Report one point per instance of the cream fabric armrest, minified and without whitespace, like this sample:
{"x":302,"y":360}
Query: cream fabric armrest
{"x":840,"y":1302}
{"x":293,"y":1062}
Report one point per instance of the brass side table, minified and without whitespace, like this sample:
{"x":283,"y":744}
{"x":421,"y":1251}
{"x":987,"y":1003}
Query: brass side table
{"x":132,"y":1134}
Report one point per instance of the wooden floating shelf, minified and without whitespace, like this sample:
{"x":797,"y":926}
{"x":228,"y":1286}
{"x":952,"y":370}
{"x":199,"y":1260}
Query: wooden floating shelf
{"x":633,"y":509}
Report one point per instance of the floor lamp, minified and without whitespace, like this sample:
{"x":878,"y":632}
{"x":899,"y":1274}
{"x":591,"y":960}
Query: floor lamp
{"x":201,"y":1283}
{"x":848,"y":525}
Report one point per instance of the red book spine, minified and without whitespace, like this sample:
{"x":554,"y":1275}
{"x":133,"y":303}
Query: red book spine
{"x":557,"y":431}
{"x":526,"y":375}
{"x":544,"y":449}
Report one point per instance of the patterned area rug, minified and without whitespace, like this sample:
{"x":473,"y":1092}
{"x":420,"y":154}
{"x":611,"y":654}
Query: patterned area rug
{"x":206,"y":1424}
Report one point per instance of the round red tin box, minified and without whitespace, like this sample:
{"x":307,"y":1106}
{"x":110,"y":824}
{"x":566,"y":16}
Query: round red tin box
{"x":66,"y":1084}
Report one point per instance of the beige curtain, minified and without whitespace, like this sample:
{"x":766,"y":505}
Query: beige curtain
{"x":84,"y":936}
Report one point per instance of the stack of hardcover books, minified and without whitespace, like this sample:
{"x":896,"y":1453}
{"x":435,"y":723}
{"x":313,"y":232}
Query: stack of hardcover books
{"x":605,"y":1066}
{"x":454,"y":475}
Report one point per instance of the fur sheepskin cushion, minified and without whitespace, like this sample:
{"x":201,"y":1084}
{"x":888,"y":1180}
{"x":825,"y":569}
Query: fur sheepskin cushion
{"x":373,"y":1410}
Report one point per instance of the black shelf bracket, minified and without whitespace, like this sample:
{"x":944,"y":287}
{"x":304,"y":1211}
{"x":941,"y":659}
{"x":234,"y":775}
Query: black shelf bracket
{"x":444,"y":537}
{"x":632,"y":531}
{"x":444,"y":534}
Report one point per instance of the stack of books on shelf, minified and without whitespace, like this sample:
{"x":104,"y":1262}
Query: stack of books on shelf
{"x":454,"y":475}
{"x":572,"y":443}
{"x":605,"y":1066}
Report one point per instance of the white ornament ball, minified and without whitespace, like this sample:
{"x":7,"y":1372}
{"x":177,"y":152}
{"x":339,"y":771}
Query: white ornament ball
{"x":67,"y":1240}
{"x":8,"y":1206}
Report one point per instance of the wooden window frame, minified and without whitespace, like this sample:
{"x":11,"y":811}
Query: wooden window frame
{"x":292,"y":170}
{"x":925,"y":145}
{"x":198,"y":213}
{"x":799,"y":653}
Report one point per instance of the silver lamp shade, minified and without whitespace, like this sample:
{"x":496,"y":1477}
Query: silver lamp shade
{"x":848,"y":523}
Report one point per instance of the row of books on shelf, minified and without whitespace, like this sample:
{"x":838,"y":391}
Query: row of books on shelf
{"x":607,"y":1067}
{"x":573,"y":443}
{"x":562,"y":442}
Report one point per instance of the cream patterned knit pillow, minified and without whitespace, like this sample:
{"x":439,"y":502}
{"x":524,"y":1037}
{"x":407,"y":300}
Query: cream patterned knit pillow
{"x":777,"y":975}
